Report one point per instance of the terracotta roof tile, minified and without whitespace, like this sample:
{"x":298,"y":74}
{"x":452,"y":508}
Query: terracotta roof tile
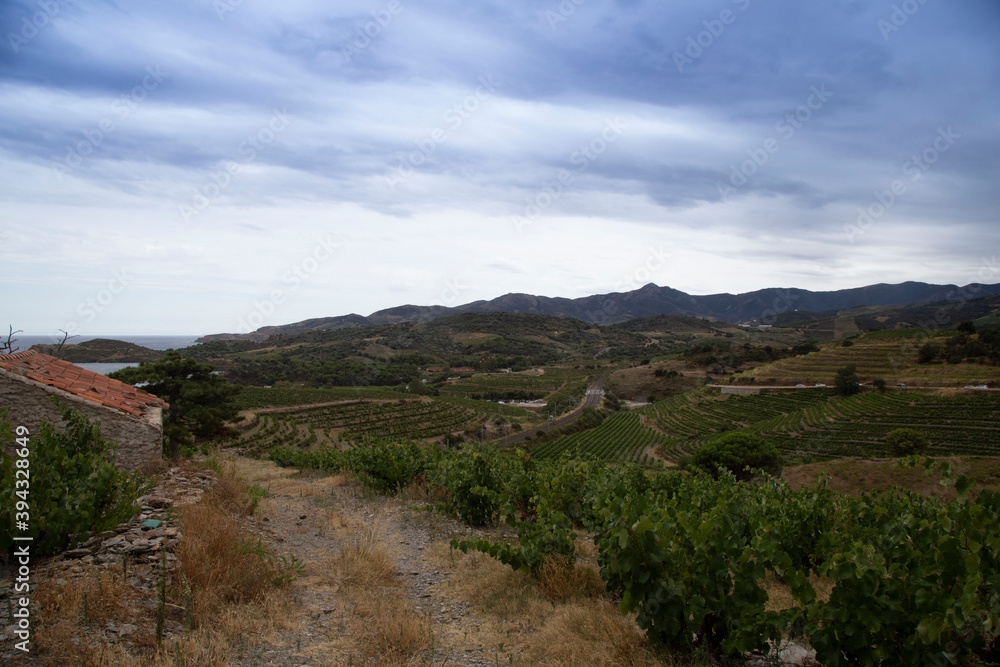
{"x":80,"y":382}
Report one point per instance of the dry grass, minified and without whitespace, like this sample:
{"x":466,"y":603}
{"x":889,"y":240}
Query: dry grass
{"x":779,"y":596}
{"x":563,"y":581}
{"x":234,"y":493}
{"x":385,"y":629}
{"x":232,"y":630}
{"x":365,"y":561}
{"x":280,"y":481}
{"x":73,"y":616}
{"x":388,"y":630}
{"x":494,"y":588}
{"x":855,"y":476}
{"x":221,"y":562}
{"x":334,"y":522}
{"x":593,"y":633}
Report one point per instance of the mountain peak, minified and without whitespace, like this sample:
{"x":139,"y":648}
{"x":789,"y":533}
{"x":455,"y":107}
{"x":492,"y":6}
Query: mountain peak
{"x":605,"y":309}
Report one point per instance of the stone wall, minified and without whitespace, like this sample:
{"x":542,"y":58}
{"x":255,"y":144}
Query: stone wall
{"x":28,"y":404}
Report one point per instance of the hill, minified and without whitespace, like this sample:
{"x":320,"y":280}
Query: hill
{"x":651,"y":300}
{"x":101,"y":350}
{"x":893,"y":355}
{"x":930,"y":316}
{"x":395,"y":354}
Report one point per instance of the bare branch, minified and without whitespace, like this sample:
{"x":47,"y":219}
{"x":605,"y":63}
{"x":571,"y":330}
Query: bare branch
{"x":7,"y":346}
{"x":66,"y":337}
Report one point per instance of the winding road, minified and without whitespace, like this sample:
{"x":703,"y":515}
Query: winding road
{"x":592,"y":399}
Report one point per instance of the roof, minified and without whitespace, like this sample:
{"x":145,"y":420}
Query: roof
{"x":80,"y":382}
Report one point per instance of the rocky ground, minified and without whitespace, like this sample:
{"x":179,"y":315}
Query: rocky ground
{"x":135,"y":546}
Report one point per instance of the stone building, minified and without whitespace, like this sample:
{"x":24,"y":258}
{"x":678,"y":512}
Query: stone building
{"x":129,"y":416}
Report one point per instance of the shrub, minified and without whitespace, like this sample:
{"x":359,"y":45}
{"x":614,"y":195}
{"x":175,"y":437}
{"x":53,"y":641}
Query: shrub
{"x":75,"y":487}
{"x":736,"y":452}
{"x":905,"y":441}
{"x":846,"y":380}
{"x":479,"y":478}
{"x":386,"y":467}
{"x":928,"y":353}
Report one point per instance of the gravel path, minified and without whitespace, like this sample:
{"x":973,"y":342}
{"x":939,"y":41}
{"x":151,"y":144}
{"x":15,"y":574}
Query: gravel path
{"x":312,"y":518}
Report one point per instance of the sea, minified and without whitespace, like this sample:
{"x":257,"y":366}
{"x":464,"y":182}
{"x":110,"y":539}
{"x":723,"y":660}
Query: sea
{"x":152,"y":342}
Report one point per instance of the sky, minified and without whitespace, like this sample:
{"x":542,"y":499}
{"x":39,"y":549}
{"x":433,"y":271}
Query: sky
{"x":198,"y":167}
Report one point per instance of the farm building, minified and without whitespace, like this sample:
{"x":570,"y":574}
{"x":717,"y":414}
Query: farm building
{"x":127,"y":415}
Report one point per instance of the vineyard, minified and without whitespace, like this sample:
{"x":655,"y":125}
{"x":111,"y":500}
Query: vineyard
{"x":352,"y":419}
{"x":888,"y":578}
{"x":546,"y":383}
{"x":398,"y":419}
{"x":812,"y":423}
{"x":253,"y":398}
{"x":891,"y":355}
{"x":621,"y":437}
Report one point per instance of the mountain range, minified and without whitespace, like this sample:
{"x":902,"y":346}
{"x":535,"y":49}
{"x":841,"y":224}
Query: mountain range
{"x":762,"y":306}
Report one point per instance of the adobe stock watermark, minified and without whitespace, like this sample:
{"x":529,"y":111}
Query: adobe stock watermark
{"x":365,"y":33}
{"x":783,"y":303}
{"x":697,"y":44}
{"x":581,"y":158}
{"x":31,"y":25}
{"x":224,"y":7}
{"x":451,"y":292}
{"x":122,"y":108}
{"x":292,"y":279}
{"x":94,"y":305}
{"x":786,"y":128}
{"x":565,"y":9}
{"x":656,"y":259}
{"x":899,"y":17}
{"x":914,"y":168}
{"x":255,"y":144}
{"x":453,"y":118}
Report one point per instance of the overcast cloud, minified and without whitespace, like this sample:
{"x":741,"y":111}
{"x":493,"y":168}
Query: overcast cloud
{"x":185,"y":164}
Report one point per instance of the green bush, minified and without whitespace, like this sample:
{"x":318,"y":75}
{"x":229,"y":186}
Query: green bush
{"x":74,"y":487}
{"x":688,"y":561}
{"x":387,"y":467}
{"x":479,"y":479}
{"x":905,"y":442}
{"x":846,"y":381}
{"x":329,"y":459}
{"x":736,"y":452}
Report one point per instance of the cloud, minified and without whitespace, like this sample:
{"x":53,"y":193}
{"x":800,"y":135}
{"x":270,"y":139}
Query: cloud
{"x":116,"y":118}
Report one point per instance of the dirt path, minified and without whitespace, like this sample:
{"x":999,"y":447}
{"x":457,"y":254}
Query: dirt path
{"x":313,"y":518}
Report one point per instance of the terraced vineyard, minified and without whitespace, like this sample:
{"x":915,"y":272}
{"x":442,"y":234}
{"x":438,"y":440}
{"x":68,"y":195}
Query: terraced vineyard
{"x":267,"y":431}
{"x":621,"y":437}
{"x":402,"y":419}
{"x":891,"y":355}
{"x":251,"y":398}
{"x":693,"y":418}
{"x":540,"y":384}
{"x":397,"y":419}
{"x":966,"y":424}
{"x":812,"y":423}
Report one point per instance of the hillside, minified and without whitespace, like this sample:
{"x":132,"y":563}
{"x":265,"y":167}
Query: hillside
{"x":401,"y":353}
{"x":930,"y":316}
{"x":648,"y":301}
{"x":101,"y":350}
{"x":891,"y":355}
{"x":814,"y":424}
